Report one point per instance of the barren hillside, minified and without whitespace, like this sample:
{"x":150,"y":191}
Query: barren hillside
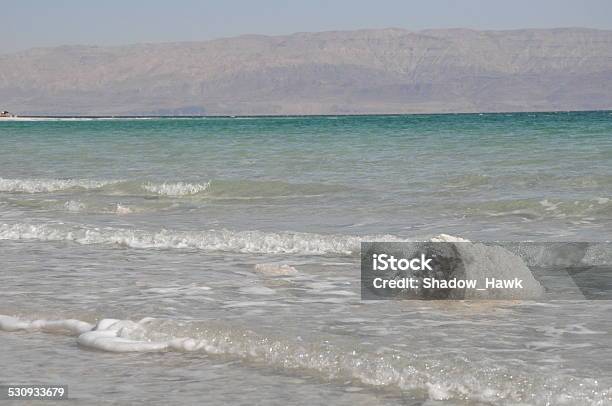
{"x":366,"y":71}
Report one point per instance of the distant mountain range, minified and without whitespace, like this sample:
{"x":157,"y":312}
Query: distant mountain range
{"x":345,"y":72}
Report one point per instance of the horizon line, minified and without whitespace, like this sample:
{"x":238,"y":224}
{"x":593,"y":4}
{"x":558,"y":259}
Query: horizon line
{"x":17,"y":117}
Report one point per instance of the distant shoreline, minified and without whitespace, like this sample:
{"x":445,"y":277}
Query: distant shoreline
{"x":18,"y":117}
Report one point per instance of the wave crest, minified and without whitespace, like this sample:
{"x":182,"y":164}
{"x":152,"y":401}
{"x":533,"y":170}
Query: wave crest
{"x":219,"y":189}
{"x":447,"y":378}
{"x":54,"y":185}
{"x":175,"y":189}
{"x":49,"y":185}
{"x":210,"y":240}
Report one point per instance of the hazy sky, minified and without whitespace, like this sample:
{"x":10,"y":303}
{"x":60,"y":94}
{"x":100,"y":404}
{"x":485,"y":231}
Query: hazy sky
{"x":28,"y":23}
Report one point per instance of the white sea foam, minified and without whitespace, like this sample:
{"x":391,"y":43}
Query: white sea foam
{"x":49,"y":185}
{"x":448,"y":238}
{"x":446,"y":378}
{"x":209,"y":240}
{"x":74,"y":206}
{"x":8,"y":323}
{"x":118,"y":336}
{"x":176,"y":189}
{"x":52,"y":185}
{"x":483,"y":260}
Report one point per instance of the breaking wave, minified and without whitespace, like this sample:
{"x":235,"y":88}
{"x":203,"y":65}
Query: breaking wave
{"x":220,"y":189}
{"x":49,"y":185}
{"x":175,"y":189}
{"x":450,"y":378}
{"x":113,"y":186}
{"x":209,"y":240}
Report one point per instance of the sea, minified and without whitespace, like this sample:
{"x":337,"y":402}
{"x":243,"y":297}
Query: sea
{"x":216,"y":260}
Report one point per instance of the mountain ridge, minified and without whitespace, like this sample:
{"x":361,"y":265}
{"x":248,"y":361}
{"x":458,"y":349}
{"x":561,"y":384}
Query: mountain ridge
{"x":370,"y":71}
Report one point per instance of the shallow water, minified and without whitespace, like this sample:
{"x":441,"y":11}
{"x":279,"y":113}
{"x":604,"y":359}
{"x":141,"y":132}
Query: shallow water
{"x":242,"y":235}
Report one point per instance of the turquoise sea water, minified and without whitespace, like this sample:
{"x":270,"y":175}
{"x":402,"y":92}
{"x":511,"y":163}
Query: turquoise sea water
{"x":243,"y":233}
{"x":508,"y":176}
